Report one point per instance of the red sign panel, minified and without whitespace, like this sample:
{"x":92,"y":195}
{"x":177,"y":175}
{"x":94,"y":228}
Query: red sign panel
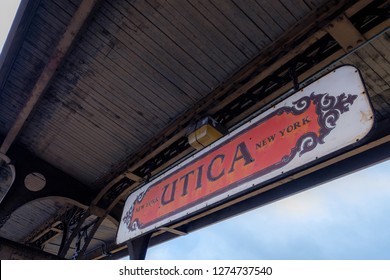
{"x":260,"y":149}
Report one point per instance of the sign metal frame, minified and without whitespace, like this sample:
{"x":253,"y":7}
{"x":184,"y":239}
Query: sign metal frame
{"x":326,"y":117}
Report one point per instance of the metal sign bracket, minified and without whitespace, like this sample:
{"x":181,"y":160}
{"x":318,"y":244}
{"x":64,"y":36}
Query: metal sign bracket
{"x":138,"y":247}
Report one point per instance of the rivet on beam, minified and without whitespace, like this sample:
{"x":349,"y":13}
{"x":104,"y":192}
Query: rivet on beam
{"x":343,"y":31}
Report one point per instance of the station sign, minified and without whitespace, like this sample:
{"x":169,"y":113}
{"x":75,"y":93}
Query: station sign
{"x":319,"y":121}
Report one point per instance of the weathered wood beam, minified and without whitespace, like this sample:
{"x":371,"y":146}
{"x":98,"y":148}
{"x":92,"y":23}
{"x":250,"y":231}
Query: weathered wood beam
{"x":62,"y":49}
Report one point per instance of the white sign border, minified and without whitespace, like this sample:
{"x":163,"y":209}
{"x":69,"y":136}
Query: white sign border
{"x":342,"y":132}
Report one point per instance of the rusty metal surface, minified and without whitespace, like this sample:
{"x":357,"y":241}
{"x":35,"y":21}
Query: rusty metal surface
{"x":374,"y":63}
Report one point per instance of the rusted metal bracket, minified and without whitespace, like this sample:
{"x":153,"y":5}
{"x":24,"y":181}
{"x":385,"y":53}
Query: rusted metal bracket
{"x":174,"y":231}
{"x":134,"y":177}
{"x":294,"y":76}
{"x":97,"y":211}
{"x":345,"y":33}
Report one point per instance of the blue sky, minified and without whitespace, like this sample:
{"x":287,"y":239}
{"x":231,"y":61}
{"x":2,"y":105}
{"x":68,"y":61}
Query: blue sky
{"x":348,"y":218}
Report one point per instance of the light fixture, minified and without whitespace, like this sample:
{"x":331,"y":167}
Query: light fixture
{"x":7,"y":175}
{"x":204,"y":132}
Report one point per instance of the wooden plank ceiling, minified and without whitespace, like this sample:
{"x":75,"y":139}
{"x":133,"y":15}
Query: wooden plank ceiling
{"x":140,"y":68}
{"x":134,"y":70}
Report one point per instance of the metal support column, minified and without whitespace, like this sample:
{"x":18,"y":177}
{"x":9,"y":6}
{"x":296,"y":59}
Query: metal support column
{"x":137,"y":247}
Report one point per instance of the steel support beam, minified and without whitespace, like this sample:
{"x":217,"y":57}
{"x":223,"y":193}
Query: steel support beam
{"x":343,"y":31}
{"x":138,"y":247}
